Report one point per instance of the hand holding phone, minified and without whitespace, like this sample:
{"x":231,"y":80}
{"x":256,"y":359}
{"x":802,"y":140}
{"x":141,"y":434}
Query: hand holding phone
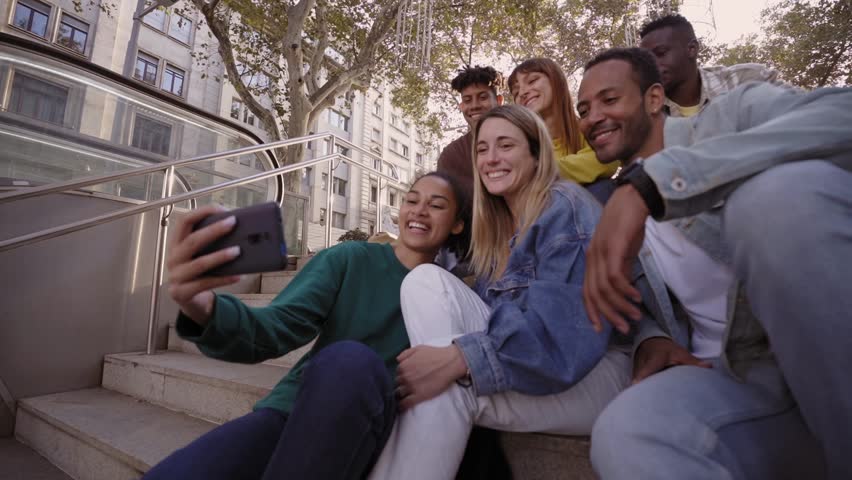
{"x":259,"y":233}
{"x":204,"y":250}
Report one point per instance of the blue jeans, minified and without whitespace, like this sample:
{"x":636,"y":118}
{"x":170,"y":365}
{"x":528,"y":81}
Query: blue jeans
{"x":339,"y":423}
{"x":789,"y":230}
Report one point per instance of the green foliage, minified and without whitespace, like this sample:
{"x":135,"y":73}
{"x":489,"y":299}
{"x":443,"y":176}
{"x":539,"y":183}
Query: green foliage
{"x":353,"y":235}
{"x":810,"y":43}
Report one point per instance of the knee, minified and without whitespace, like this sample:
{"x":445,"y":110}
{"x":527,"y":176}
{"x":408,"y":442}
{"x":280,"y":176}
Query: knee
{"x":623,"y":426}
{"x":775,"y":205}
{"x":350,"y":368}
{"x":426,"y":277}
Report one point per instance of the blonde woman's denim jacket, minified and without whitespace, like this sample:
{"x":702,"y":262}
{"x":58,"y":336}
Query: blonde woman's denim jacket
{"x":539,"y":339}
{"x":738,"y":135}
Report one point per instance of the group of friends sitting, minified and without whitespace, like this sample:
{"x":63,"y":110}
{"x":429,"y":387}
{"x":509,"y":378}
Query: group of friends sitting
{"x":666,"y":267}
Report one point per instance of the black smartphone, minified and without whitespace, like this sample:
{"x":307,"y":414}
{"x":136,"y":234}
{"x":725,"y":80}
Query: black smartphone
{"x":259,"y":233}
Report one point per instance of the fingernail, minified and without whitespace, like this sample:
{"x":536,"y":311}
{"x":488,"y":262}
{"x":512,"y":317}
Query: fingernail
{"x":229,"y":221}
{"x":234,"y":251}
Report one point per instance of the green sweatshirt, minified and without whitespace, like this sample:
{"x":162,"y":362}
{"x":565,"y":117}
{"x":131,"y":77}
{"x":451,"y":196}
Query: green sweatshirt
{"x":347,"y":292}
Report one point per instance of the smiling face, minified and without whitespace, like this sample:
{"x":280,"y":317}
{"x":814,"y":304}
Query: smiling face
{"x":477,"y":99}
{"x":613,"y":117}
{"x":503,"y":159}
{"x":534,"y":91}
{"x":429,"y":215}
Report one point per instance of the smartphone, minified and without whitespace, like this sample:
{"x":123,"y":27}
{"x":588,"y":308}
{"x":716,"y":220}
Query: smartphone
{"x":259,"y":233}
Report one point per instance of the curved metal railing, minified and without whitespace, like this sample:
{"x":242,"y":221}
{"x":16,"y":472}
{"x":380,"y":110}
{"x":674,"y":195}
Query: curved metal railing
{"x":167,"y":200}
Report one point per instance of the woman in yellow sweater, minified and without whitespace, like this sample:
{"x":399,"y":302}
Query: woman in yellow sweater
{"x":540,"y":85}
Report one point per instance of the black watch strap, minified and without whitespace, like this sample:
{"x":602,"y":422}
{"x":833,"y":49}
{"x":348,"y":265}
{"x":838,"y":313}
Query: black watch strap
{"x":635,"y":175}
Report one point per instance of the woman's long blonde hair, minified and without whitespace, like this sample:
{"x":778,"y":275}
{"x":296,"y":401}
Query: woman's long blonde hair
{"x":493,"y":225}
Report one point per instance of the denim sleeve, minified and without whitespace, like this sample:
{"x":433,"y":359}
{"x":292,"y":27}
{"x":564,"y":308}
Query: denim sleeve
{"x":545,"y":343}
{"x":749,"y":130}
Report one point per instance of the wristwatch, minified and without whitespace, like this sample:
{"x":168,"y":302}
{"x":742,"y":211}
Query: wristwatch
{"x":466,"y":381}
{"x":635,"y":175}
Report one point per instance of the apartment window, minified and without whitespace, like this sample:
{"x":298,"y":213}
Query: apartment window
{"x":394,"y":145}
{"x":156,"y":18}
{"x":394,"y":119}
{"x":342,"y":150}
{"x":377,"y":135}
{"x":338,"y":220}
{"x":72,"y":34}
{"x":405,"y":151}
{"x":324,"y":182}
{"x":377,"y":164}
{"x":338,"y":186}
{"x":180,"y":28}
{"x":248,"y":117}
{"x":377,"y":109}
{"x":339,"y":120}
{"x":374,"y":192}
{"x":391,"y":197}
{"x":418,"y":159}
{"x":172,"y":80}
{"x":32,"y":16}
{"x":38,"y":99}
{"x":146,"y":68}
{"x":151,"y":135}
{"x":371,"y":227}
{"x":236,"y":106}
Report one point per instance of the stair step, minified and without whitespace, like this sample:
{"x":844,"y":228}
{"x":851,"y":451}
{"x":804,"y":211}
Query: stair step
{"x":19,"y":462}
{"x":96,"y":434}
{"x":274,"y":282}
{"x":547,"y":457}
{"x":199,"y":386}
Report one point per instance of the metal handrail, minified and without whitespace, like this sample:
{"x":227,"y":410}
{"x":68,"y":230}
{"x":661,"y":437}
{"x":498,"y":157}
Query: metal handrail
{"x":167,"y":200}
{"x":111,"y":177}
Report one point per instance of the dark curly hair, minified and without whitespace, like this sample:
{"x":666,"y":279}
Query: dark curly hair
{"x":644,"y":66}
{"x":456,"y":243}
{"x":674,"y":21}
{"x":477,"y":76}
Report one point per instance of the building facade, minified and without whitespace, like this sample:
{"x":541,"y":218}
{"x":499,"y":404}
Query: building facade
{"x":159,"y":51}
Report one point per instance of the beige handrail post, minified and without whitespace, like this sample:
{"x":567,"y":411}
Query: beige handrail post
{"x":328,"y":193}
{"x":159,"y":262}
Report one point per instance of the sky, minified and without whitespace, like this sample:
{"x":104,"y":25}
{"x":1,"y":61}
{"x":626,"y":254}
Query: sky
{"x":734,"y":18}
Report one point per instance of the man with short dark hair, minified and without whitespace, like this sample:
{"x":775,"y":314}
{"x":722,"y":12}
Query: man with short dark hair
{"x":752,"y":236}
{"x":671,"y":39}
{"x":478,"y":89}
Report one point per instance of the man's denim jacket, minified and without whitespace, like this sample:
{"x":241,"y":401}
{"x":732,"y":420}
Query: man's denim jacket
{"x":738,"y":135}
{"x":539,"y":339}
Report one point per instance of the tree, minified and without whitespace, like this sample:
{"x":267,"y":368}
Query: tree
{"x":354,"y":235}
{"x":289,"y":61}
{"x":810,"y":43}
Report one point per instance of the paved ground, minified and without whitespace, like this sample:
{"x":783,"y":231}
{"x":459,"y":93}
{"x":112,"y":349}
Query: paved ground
{"x":19,"y":462}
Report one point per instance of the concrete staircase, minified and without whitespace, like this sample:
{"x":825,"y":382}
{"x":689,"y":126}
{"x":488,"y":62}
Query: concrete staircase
{"x":150,"y":405}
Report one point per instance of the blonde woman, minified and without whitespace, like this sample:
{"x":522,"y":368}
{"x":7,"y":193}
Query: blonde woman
{"x":518,"y":354}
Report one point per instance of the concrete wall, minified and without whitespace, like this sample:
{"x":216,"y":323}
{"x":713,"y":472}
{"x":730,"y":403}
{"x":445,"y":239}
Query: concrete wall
{"x":68,"y":301}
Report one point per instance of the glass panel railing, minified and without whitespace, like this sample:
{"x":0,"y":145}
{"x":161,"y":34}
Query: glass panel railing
{"x":59,"y":121}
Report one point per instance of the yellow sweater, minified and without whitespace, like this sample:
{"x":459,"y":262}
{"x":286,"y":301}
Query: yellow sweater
{"x":582,"y":167}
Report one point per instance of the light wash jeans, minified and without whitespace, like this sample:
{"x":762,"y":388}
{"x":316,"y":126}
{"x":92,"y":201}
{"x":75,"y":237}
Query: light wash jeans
{"x":428,"y":441}
{"x":790,"y":233}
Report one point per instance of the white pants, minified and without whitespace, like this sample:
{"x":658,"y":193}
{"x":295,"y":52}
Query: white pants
{"x":428,"y":441}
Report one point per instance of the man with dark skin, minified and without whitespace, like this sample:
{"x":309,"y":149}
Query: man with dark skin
{"x":477,"y":87}
{"x":671,"y":39}
{"x":758,"y":186}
